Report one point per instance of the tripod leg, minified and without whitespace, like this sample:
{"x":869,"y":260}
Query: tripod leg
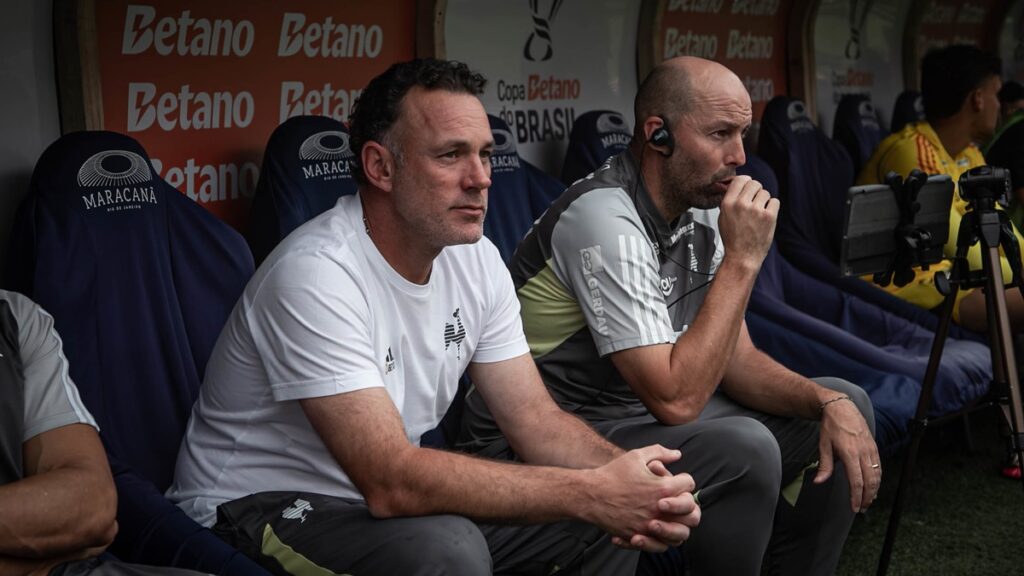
{"x":917,"y":427}
{"x":1006,"y":360}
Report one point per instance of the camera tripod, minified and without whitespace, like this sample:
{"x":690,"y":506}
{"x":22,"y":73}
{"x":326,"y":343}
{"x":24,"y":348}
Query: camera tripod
{"x":992,"y":227}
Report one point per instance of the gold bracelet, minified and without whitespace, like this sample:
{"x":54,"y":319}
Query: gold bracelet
{"x":821,"y":409}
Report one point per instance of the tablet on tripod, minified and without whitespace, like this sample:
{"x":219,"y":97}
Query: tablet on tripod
{"x":881,"y":226}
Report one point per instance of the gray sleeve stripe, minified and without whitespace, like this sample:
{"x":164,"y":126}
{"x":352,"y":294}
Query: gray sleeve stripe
{"x":642,"y":276}
{"x":628,"y":279}
{"x":651,"y":296}
{"x":639,"y":277}
{"x":638,"y":274}
{"x":70,"y":391}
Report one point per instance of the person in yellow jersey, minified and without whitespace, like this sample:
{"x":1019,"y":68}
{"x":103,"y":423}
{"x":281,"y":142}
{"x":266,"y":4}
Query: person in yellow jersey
{"x":960,"y":89}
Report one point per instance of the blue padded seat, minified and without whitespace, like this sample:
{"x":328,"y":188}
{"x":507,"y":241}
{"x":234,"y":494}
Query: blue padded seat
{"x":139,"y":280}
{"x":596,"y":136}
{"x":893,"y":395}
{"x":520,"y":192}
{"x":907,"y":109}
{"x":870,"y":335}
{"x":856,"y":127}
{"x":875,"y":343}
{"x":814,"y":174}
{"x":306,"y":168}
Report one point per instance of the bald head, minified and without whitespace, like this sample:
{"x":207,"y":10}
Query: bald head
{"x":682,"y":85}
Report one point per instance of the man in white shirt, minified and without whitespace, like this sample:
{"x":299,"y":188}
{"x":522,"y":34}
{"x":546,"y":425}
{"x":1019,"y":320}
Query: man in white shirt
{"x":347,"y":346}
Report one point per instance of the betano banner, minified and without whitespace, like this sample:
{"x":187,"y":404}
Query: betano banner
{"x":202,"y":84}
{"x":946,"y":22}
{"x":747,"y":36}
{"x":547,"y":62}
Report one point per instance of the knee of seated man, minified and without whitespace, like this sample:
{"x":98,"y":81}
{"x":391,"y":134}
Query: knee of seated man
{"x":453,"y":545}
{"x":750,"y":449}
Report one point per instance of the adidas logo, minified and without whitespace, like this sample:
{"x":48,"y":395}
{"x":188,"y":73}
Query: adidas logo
{"x":389,"y":362}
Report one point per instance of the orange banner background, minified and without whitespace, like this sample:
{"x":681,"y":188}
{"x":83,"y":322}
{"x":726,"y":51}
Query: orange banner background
{"x":203,"y":84}
{"x":947,"y":22}
{"x":747,"y":36}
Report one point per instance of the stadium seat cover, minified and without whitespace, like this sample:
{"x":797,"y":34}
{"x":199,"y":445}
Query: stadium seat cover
{"x":139,"y":280}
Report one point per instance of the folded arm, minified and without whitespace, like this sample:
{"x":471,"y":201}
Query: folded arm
{"x":537,"y":429}
{"x":66,"y":502}
{"x":363,"y":431}
{"x":675,"y":380}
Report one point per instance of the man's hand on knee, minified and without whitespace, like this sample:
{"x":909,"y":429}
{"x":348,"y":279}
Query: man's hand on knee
{"x":845,"y":434}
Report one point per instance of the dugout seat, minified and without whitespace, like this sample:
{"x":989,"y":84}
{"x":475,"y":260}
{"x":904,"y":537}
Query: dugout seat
{"x":814,"y":174}
{"x":856,"y":127}
{"x":520,"y":192}
{"x":856,"y":339}
{"x":139,"y":280}
{"x":873,"y":337}
{"x":306,"y":168}
{"x":596,"y":136}
{"x":907,"y":109}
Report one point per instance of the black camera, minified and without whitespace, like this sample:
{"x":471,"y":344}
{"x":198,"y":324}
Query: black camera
{"x":985,"y":183}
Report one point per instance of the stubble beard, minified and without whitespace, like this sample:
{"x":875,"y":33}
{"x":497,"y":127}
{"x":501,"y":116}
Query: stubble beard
{"x":682,"y":192}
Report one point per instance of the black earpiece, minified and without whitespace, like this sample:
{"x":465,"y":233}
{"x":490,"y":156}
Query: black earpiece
{"x":662,"y":137}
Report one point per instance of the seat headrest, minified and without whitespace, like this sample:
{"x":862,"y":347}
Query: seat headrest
{"x":307,"y":165}
{"x":110,"y":172}
{"x":596,"y":136}
{"x":505,"y":155}
{"x":856,"y":127}
{"x":814,"y":174}
{"x":908,"y":109}
{"x":509,"y":214}
{"x":788,"y":115}
{"x":139,"y":280}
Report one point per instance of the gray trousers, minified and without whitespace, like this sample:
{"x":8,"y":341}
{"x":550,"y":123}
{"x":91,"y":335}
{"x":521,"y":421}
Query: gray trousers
{"x":740,"y":458}
{"x":296,"y":533}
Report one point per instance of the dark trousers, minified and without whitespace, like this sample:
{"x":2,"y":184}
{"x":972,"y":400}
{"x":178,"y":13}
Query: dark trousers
{"x":297,"y":533}
{"x":757,"y":503}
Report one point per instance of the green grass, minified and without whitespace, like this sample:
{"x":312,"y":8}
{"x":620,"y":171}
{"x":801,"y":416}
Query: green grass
{"x":960,"y":517}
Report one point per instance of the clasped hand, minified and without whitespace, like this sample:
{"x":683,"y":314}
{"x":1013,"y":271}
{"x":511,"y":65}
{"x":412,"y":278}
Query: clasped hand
{"x":650,"y":509}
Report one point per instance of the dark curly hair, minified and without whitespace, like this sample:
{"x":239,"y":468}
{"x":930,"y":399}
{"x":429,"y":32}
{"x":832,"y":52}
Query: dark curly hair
{"x":376,"y":109}
{"x":949,"y":74}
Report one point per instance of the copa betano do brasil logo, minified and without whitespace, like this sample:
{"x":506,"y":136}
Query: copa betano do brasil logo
{"x":519,"y":99}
